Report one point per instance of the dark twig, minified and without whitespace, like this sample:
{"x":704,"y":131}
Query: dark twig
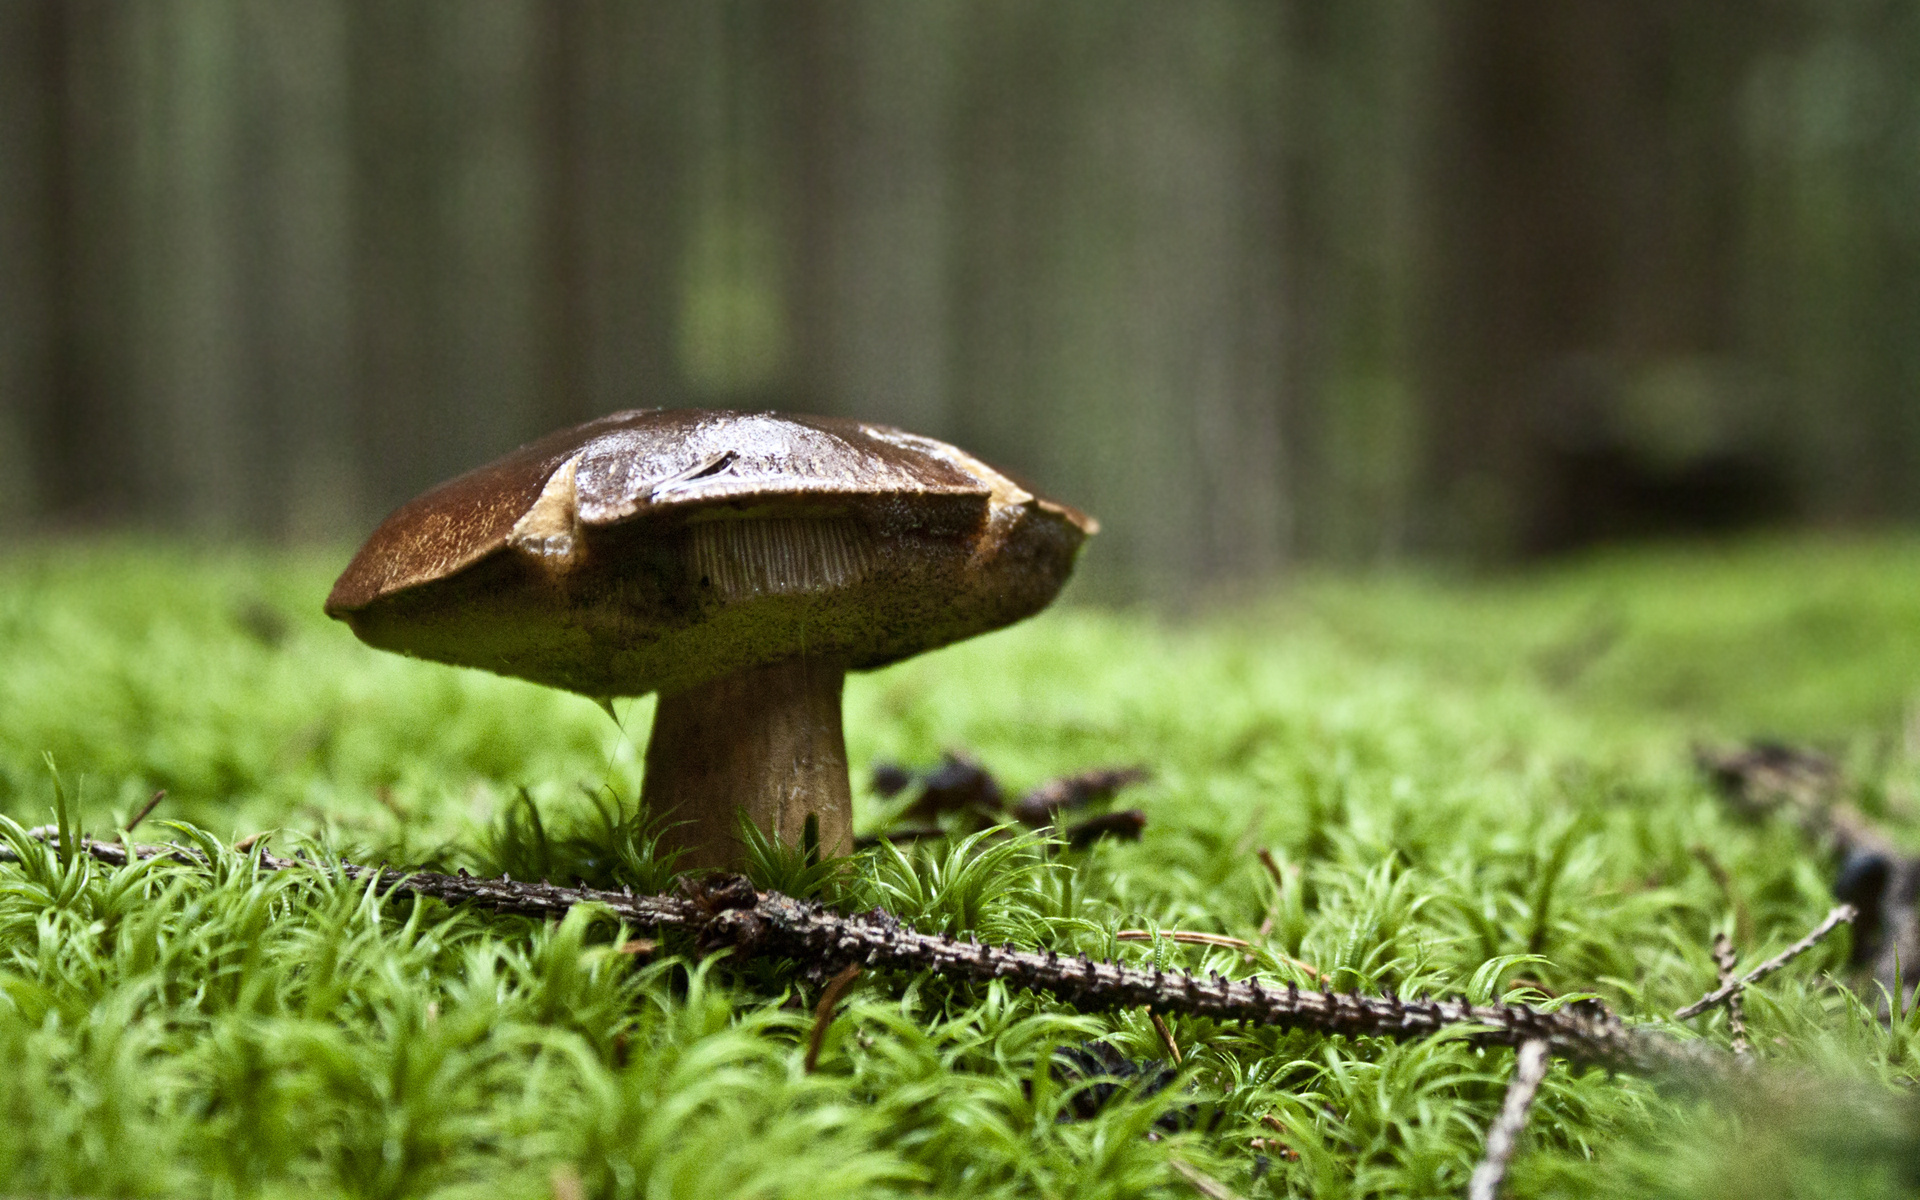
{"x":1265,"y":855}
{"x":727,"y":914}
{"x":823,"y":1011}
{"x":146,"y":810}
{"x":1724,"y":958}
{"x":1838,"y":917}
{"x":1166,"y":1036}
{"x":1529,"y":1068}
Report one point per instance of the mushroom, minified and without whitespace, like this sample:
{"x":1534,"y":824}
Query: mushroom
{"x":738,"y":564}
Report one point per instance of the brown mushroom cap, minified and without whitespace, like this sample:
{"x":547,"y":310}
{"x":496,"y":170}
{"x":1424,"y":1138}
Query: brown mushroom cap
{"x":655,"y":550}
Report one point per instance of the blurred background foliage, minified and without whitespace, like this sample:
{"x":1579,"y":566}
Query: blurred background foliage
{"x":1257,"y":281}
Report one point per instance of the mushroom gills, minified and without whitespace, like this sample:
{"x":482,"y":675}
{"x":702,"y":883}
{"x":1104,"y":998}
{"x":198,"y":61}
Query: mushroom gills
{"x":777,"y":556}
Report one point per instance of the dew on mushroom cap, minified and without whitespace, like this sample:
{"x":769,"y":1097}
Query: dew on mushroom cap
{"x":739,"y":564}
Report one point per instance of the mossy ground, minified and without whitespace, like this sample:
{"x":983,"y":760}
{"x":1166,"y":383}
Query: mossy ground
{"x":1480,"y":787}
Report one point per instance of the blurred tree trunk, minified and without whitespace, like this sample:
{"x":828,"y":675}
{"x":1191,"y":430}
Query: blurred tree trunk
{"x":734,"y":328}
{"x":866,"y":103}
{"x":1587,"y":212}
{"x":1053,"y":235}
{"x":194,"y":430}
{"x":618,"y":76}
{"x":32,"y":77}
{"x":297,"y":163}
{"x":92,"y":427}
{"x":1011,"y":128}
{"x":1246,"y":280}
{"x":1834,"y":248}
{"x":1168,"y":311}
{"x":1358,"y":233}
{"x":451,"y":226}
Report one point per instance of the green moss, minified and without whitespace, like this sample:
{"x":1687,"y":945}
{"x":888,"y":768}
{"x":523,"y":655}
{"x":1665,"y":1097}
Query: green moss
{"x":1478,"y":787}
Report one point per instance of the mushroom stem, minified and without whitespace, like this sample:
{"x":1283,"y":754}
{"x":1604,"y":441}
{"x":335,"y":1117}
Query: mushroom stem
{"x":765,"y":741}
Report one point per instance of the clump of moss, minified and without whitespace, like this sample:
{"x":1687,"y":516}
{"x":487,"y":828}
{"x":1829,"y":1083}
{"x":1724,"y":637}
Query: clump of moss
{"x":1463,"y":787}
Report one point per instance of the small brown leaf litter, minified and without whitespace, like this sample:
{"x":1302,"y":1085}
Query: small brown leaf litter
{"x":1766,"y":775}
{"x":961,"y":785}
{"x":1043,"y":804}
{"x":1126,"y":826}
{"x":1275,"y":1146}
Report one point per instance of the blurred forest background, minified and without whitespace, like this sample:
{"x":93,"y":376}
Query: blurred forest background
{"x":1256,"y":281}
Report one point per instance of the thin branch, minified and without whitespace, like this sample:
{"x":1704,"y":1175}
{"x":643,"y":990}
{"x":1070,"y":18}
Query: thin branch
{"x":727,"y":914}
{"x":1724,"y":958}
{"x":1838,"y":917}
{"x":1529,"y":1068}
{"x":823,"y":1012}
